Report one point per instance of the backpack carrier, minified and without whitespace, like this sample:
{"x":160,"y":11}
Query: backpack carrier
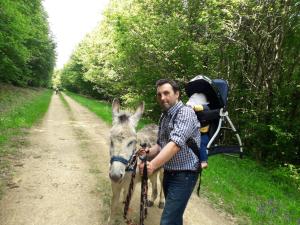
{"x":216,"y":91}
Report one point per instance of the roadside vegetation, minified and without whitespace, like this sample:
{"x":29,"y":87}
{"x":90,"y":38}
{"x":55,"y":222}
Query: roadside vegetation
{"x":20,"y":108}
{"x":247,"y":190}
{"x":251,"y":192}
{"x":100,"y":108}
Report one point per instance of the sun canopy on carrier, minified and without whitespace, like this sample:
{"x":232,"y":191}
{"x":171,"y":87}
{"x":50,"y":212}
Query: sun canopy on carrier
{"x":216,"y":92}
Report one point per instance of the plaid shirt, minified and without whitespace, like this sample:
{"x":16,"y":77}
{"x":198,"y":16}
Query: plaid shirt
{"x":178,"y":124}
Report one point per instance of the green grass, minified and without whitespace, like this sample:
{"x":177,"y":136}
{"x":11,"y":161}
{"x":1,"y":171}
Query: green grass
{"x":100,"y":108}
{"x":245,"y":189}
{"x":21,"y":109}
{"x":11,"y":97}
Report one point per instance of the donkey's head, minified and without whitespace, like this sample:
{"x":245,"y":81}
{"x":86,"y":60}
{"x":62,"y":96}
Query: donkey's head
{"x":122,"y":139}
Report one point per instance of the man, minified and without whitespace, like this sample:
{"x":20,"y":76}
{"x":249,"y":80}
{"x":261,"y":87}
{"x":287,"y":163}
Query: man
{"x":177,"y":124}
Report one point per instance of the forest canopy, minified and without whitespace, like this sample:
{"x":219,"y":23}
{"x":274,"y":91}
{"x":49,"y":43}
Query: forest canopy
{"x":252,"y":44}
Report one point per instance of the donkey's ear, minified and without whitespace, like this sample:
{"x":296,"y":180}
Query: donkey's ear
{"x":115,"y":107}
{"x":138,"y":114}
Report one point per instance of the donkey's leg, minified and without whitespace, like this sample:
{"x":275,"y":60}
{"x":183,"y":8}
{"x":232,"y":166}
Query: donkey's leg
{"x":161,"y":203}
{"x":126,"y":184}
{"x":116,"y":190}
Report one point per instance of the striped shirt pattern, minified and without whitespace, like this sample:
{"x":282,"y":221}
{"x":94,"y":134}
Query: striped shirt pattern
{"x":178,"y":124}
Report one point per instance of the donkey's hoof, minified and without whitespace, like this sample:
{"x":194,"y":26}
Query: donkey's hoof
{"x":150,"y":203}
{"x":161,"y":205}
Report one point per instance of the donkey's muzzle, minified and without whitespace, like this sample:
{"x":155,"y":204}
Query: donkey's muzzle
{"x":116,"y":177}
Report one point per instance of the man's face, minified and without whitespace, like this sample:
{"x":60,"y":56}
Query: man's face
{"x":166,"y":96}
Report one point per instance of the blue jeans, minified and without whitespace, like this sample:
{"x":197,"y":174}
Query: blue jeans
{"x":178,"y":187}
{"x":203,"y":145}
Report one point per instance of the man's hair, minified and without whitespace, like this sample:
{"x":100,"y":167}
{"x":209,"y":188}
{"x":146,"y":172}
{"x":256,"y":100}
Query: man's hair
{"x":174,"y":85}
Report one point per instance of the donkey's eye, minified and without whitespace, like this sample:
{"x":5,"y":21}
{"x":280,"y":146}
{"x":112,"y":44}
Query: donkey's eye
{"x":130,"y":143}
{"x":111,"y":144}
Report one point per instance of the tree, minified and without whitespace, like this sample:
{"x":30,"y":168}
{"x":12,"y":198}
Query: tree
{"x":26,"y":47}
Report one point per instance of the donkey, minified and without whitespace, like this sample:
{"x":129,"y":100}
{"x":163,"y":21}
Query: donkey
{"x":123,"y":143}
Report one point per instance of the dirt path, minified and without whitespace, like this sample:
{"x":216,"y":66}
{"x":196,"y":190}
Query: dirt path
{"x":63,"y":178}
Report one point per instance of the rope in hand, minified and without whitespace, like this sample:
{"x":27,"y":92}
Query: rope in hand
{"x":132,"y":164}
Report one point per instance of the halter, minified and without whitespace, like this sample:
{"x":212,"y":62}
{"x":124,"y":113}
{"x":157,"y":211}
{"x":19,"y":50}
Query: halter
{"x":126,"y":162}
{"x":118,"y":159}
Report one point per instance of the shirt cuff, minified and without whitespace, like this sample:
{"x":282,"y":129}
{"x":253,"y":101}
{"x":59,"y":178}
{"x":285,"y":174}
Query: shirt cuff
{"x":178,"y":141}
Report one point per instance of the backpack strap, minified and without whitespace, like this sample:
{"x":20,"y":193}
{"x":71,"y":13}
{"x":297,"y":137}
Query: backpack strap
{"x":190,"y":142}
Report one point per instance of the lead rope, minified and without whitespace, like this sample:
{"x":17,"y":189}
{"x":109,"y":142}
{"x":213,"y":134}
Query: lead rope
{"x":199,"y":184}
{"x":144,"y":188}
{"x":144,"y":191}
{"x":131,"y":165}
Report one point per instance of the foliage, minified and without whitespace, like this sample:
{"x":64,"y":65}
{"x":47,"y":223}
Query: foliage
{"x":252,"y":44}
{"x":288,"y":173}
{"x":56,"y":79}
{"x":26,"y":48}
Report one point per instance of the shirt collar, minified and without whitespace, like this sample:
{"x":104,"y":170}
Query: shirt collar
{"x":174,"y":108}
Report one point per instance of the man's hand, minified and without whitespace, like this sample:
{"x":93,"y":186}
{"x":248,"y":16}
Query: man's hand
{"x":150,"y":151}
{"x":204,"y":164}
{"x":150,"y":168}
{"x":143,"y":151}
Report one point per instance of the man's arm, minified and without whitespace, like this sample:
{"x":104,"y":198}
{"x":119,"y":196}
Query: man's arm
{"x":163,"y":156}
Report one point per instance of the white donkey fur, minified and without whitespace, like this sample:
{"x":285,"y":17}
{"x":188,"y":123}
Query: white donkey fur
{"x":124,"y":141}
